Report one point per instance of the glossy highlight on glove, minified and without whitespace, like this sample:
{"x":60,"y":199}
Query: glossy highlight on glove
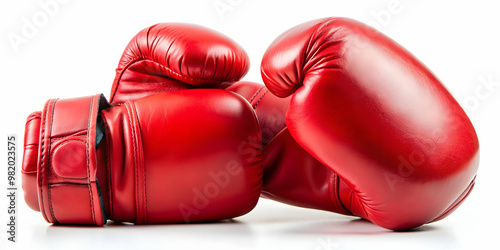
{"x":369,"y":110}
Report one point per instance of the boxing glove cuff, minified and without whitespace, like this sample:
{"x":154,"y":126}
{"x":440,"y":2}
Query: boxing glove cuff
{"x":68,"y":191}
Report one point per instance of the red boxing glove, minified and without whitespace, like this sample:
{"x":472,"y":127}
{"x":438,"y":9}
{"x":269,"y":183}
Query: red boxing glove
{"x":371,"y":112}
{"x":291,"y":175}
{"x":173,"y":56}
{"x":165,"y":158}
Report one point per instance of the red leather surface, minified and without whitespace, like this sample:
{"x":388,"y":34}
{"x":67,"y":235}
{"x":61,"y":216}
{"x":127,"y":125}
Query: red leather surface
{"x":68,"y":205}
{"x":67,"y":165}
{"x":291,"y":175}
{"x":30,"y":160}
{"x":279,"y":184}
{"x":375,"y":115}
{"x":283,"y":159}
{"x":177,"y":56}
{"x":68,"y":156}
{"x":183,"y":156}
{"x":363,"y":106}
{"x":270,"y":109}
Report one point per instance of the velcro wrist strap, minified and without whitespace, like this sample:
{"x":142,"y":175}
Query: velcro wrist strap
{"x":67,"y":167}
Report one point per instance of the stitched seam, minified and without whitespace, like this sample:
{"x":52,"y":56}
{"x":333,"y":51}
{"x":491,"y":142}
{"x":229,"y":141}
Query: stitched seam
{"x":256,"y":93}
{"x":142,"y":170}
{"x":42,"y":160}
{"x":60,"y":184}
{"x":91,"y":112}
{"x":49,"y":192}
{"x":77,"y":133}
{"x":49,"y":187}
{"x":260,"y":99}
{"x":127,"y":105}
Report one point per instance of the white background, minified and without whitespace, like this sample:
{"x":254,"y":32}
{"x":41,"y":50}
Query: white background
{"x":74,"y":51}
